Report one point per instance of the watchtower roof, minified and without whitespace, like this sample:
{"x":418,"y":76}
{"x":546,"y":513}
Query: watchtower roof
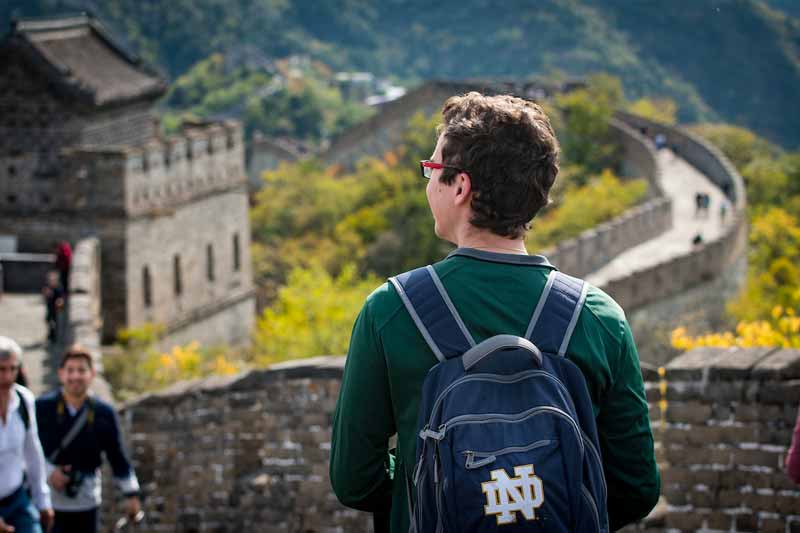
{"x":81,"y":59}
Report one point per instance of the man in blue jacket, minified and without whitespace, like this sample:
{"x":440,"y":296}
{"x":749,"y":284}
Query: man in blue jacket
{"x":73,"y":464}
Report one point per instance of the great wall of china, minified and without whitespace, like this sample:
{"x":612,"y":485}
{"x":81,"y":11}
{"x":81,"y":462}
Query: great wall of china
{"x":230,"y":454}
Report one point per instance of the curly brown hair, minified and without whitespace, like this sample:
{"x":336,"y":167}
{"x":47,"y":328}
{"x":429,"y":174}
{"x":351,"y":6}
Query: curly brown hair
{"x":510,"y":151}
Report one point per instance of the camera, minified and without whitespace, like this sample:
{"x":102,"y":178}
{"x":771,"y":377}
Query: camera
{"x":74,"y":484}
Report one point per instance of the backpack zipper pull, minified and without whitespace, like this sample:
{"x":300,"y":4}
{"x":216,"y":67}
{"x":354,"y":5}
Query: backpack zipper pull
{"x":470,"y":458}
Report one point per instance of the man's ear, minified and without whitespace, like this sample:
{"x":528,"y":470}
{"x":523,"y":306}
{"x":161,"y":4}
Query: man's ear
{"x":463,"y":188}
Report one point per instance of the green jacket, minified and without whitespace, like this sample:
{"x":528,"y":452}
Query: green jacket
{"x":496,"y":293}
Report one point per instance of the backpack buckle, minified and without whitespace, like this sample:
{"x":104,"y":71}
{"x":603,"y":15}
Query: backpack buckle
{"x":428,"y":433}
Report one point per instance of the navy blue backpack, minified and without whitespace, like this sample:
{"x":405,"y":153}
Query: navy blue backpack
{"x":507,"y":437}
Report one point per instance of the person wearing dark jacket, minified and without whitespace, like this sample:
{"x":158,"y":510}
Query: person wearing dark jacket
{"x":74,"y":467}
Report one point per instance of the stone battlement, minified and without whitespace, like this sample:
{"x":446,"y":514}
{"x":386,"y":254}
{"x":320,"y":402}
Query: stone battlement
{"x":723,"y":421}
{"x":130,"y":180}
{"x":708,"y":260}
{"x":254,"y":448}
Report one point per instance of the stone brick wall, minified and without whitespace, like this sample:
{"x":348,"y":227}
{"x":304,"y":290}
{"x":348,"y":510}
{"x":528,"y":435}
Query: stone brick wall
{"x":248,"y":453}
{"x":183,"y":237}
{"x":20,"y":272}
{"x":232,"y":454}
{"x":32,"y":119}
{"x":35,"y":123}
{"x":85,"y":307}
{"x":724,"y":420}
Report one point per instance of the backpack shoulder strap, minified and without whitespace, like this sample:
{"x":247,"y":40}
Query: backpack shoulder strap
{"x":433,"y":312}
{"x":557,"y":313}
{"x":23,"y":410}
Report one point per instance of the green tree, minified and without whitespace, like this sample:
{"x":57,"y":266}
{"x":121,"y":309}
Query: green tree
{"x":740,"y":145}
{"x":585,"y":137}
{"x":661,"y":110}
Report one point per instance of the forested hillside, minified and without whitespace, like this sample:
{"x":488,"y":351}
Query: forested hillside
{"x":735,"y":60}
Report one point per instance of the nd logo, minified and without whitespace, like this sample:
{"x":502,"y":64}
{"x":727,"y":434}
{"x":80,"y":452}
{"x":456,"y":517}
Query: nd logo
{"x":507,"y":495}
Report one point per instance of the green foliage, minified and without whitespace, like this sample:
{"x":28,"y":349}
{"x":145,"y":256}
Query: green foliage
{"x":585,"y":113}
{"x":655,"y":48}
{"x":739,"y":144}
{"x":312,"y":315}
{"x":774,"y":181}
{"x":300,"y":104}
{"x":583,"y":207}
{"x":661,"y":110}
{"x":376,"y":216}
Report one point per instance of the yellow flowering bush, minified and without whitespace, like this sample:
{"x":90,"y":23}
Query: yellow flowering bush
{"x":783,"y":329}
{"x":135,"y":364}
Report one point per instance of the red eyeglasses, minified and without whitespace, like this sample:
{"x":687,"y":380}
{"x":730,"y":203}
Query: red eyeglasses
{"x":426,"y":167}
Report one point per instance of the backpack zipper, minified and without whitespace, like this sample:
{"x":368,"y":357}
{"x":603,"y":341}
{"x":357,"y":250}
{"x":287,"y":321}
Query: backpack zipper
{"x":490,"y":457}
{"x":587,"y":495}
{"x":498,"y":417}
{"x":495,"y":378}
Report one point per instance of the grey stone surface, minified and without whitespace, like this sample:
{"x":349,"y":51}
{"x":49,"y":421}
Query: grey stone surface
{"x":738,"y":362}
{"x":782,"y":364}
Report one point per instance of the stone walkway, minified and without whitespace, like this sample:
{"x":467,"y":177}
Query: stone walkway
{"x":681,"y":182}
{"x":22,"y":319}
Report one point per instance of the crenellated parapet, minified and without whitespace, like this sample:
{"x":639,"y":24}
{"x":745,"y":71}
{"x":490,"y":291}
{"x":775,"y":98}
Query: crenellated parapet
{"x":131,"y":180}
{"x":706,"y":261}
{"x":168,"y":172}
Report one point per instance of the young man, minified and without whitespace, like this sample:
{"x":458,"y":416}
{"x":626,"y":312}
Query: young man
{"x":20,"y":452}
{"x":494,"y":164}
{"x":74,"y":467}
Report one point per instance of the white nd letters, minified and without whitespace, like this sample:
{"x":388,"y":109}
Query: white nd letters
{"x":507,"y":495}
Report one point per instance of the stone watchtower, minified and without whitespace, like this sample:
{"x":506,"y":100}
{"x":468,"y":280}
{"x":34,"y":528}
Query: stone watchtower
{"x":81,"y":154}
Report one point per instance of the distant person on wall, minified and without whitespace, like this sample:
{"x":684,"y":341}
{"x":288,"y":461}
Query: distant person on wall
{"x":63,"y":252}
{"x":20,"y":452}
{"x":494,"y":164}
{"x":793,"y":457}
{"x":78,"y":430}
{"x":54,"y":302}
{"x":660,"y":141}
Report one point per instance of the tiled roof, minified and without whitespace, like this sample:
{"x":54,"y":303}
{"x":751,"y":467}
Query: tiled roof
{"x":79,"y":56}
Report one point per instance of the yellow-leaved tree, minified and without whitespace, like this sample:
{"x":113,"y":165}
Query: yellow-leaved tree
{"x":136,"y":365}
{"x":312,"y":315}
{"x":767,"y":307}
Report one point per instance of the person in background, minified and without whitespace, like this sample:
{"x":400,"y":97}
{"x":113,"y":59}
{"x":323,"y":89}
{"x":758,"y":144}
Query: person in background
{"x":63,"y":253}
{"x":20,"y":452}
{"x":73,"y":466}
{"x":53,"y":294}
